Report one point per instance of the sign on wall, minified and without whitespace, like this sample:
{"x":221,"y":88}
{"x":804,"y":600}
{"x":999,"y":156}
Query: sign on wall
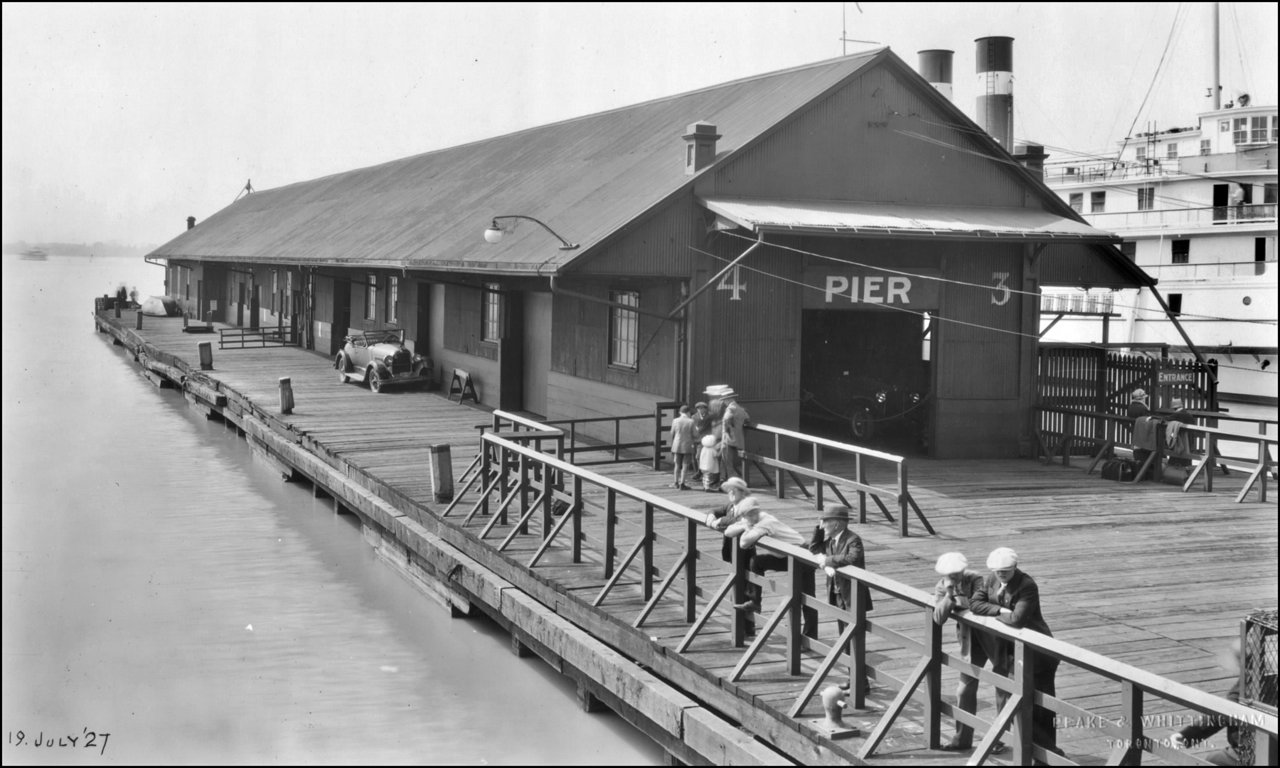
{"x":854,"y":287}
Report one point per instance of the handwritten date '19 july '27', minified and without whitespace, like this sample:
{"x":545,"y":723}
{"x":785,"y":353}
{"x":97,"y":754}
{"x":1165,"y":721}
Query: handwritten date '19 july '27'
{"x":87,"y":739}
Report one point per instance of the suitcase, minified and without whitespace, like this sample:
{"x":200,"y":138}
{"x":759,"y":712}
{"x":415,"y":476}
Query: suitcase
{"x":1118,"y":469}
{"x":1174,"y":474}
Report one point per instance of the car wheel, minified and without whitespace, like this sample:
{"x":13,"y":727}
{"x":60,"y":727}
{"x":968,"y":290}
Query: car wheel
{"x":375,"y":381}
{"x":863,"y":426}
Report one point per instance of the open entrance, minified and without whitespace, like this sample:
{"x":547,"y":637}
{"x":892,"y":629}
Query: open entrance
{"x":865,"y":378}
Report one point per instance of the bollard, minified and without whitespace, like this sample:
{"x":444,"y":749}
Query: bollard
{"x":137,"y":320}
{"x":206,"y":355}
{"x":441,"y":472}
{"x":184,"y":321}
{"x":286,"y":395}
{"x":208,"y":320}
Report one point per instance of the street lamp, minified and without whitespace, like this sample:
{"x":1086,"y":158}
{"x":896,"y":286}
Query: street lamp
{"x":494,"y":233}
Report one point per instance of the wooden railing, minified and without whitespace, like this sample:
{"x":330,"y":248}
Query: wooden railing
{"x":664,"y":569}
{"x":785,"y":443}
{"x":1105,"y":434}
{"x":253,"y":338}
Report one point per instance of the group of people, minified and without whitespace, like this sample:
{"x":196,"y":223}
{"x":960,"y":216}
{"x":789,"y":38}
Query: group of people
{"x":707,"y":441}
{"x":1012,"y":597}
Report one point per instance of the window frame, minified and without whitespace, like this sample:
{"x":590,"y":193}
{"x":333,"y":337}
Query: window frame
{"x":393,"y":299}
{"x":1098,"y":202}
{"x":1180,"y":250}
{"x":1076,"y":201}
{"x":491,"y":308}
{"x":1146,"y":198}
{"x":371,"y":296}
{"x":624,"y":330}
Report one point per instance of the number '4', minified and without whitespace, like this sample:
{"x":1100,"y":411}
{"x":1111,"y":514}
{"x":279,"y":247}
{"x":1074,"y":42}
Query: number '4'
{"x":737,"y":286}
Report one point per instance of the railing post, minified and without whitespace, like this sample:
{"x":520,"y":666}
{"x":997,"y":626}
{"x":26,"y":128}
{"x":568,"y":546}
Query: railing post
{"x":691,"y":571}
{"x":933,"y":680}
{"x":902,"y":500}
{"x":610,"y":530}
{"x":818,"y":484}
{"x":777,"y":471}
{"x":486,"y":472}
{"x":1128,"y":750}
{"x":657,"y":436}
{"x":576,"y":511}
{"x":504,"y":481}
{"x":646,"y":556}
{"x":858,"y":648}
{"x":441,"y":473}
{"x":1024,"y":684}
{"x":796,"y":570}
{"x":860,"y":473}
{"x":524,"y":485}
{"x":739,"y":593}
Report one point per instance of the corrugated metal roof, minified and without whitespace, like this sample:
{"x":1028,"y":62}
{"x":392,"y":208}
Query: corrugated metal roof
{"x":834,"y":217}
{"x":587,"y":178}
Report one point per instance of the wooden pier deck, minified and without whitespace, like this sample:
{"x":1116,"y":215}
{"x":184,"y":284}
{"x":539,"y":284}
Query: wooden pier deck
{"x":1144,"y":574}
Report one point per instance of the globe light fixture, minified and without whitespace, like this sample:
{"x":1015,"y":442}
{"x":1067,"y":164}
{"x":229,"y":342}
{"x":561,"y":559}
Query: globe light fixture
{"x":495,"y":232}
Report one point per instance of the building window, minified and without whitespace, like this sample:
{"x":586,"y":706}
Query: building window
{"x":1259,"y":133}
{"x":1175,"y":303}
{"x":1241,"y":133}
{"x":1171,"y":151}
{"x":1205,"y":146}
{"x":275,"y":290}
{"x":1077,"y":202}
{"x":371,"y":297}
{"x":492,"y":312}
{"x":1269,"y":193}
{"x":1181,"y":251}
{"x":1130,"y":249}
{"x":1142,"y":154}
{"x":624,"y":329}
{"x":1146,"y":198}
{"x":393,"y":298}
{"x":1097,"y":202}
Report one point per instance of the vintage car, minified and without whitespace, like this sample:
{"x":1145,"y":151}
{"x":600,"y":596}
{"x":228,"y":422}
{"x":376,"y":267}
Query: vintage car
{"x":381,"y":359}
{"x":871,"y":408}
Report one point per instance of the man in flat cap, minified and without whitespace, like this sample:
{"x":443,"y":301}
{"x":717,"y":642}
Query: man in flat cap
{"x":837,"y":546}
{"x":1012,"y":597}
{"x":952,"y":595}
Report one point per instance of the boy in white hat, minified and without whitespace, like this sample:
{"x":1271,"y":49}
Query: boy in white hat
{"x":951,"y":595}
{"x":1011,"y":596}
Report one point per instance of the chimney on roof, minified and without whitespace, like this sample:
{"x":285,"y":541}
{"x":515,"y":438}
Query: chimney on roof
{"x":1032,"y":156}
{"x":995,"y":88}
{"x":700,"y":146}
{"x":935,"y":66}
{"x":191,"y":222}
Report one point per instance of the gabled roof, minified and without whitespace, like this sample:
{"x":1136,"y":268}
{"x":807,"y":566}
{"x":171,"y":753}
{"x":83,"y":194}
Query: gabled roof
{"x":588,"y":177}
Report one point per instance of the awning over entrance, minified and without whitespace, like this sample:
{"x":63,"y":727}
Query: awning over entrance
{"x":830,"y":217}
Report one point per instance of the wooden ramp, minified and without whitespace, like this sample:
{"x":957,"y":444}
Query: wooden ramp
{"x":1145,"y":573}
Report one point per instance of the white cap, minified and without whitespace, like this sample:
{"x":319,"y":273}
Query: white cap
{"x":951,"y":562}
{"x":1002,"y":558}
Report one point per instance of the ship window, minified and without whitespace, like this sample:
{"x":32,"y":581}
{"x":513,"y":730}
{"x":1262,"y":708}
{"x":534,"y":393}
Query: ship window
{"x":1097,"y":202}
{"x":624,"y":329}
{"x":1171,"y":151}
{"x":1269,"y":193}
{"x":1175,"y":303}
{"x":1241,"y":133}
{"x":1259,"y":249}
{"x":1205,"y":147}
{"x":1077,"y":202}
{"x":492,"y":313}
{"x":1259,"y":130}
{"x":1181,"y":251}
{"x":1146,"y":198}
{"x":1130,"y":249}
{"x":371,"y":296}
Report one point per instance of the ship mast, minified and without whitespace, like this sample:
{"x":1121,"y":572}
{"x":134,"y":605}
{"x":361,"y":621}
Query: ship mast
{"x":1217,"y":77}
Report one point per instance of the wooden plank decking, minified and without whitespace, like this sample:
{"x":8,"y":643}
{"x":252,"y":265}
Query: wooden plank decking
{"x":1142,"y":573}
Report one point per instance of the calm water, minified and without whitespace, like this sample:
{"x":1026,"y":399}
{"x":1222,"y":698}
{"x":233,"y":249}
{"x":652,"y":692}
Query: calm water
{"x":162,"y":586}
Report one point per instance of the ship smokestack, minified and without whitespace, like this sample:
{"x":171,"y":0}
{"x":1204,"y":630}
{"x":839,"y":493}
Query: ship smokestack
{"x":995,"y":88}
{"x":935,"y":66}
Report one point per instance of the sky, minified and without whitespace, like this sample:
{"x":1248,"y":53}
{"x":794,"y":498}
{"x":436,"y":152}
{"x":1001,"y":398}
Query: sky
{"x":121,"y":120}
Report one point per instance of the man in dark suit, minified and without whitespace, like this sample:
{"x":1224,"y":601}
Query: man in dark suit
{"x":837,"y":546}
{"x":1012,"y":597}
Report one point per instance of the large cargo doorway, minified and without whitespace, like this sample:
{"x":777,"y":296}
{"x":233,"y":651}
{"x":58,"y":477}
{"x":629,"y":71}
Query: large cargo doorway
{"x":865,"y":378}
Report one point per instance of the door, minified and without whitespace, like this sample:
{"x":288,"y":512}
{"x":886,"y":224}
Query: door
{"x":341,"y":314}
{"x":255,"y":303}
{"x":239,"y":305}
{"x":537,"y":351}
{"x":422,"y":333}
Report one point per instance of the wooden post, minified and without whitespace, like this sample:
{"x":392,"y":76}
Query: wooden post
{"x":286,"y":395}
{"x":208,"y":320}
{"x":441,"y":473}
{"x":206,"y":354}
{"x":137,"y":320}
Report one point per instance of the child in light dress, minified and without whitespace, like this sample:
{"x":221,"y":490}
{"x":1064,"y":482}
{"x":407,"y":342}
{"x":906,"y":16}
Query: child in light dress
{"x":709,"y":463}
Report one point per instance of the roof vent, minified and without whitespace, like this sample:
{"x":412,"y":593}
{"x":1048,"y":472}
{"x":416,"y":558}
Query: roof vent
{"x":191,"y":222}
{"x":700,"y":147}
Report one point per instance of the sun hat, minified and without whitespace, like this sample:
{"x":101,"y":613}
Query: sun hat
{"x":1002,"y":558}
{"x":709,"y":441}
{"x":951,"y":562}
{"x":734,"y":482}
{"x":1139,"y":394}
